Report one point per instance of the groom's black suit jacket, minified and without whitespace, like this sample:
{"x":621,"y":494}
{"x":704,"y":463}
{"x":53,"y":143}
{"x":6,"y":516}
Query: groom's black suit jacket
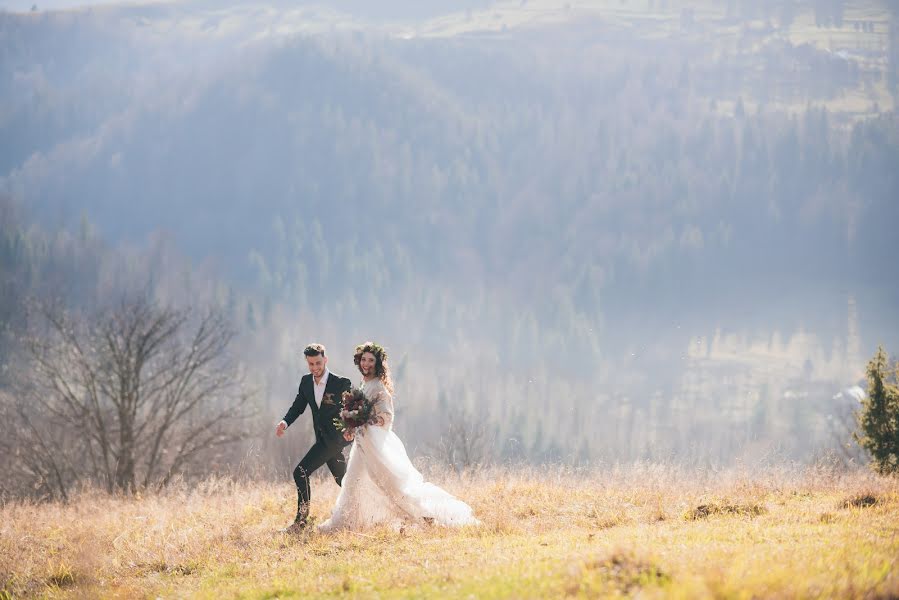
{"x":322,"y":416}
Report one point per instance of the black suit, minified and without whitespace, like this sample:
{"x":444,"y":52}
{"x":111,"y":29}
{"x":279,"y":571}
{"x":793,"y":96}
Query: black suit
{"x":329,"y":442}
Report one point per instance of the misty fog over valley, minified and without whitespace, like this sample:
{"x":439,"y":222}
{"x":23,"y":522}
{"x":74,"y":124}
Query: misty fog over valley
{"x":590,"y":231}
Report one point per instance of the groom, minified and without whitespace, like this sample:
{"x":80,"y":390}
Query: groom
{"x":321,"y":390}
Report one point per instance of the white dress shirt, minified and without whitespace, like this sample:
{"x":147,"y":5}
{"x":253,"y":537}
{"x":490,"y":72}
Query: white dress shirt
{"x":319,"y":388}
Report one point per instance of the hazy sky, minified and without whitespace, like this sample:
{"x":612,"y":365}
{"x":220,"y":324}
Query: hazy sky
{"x":18,"y":5}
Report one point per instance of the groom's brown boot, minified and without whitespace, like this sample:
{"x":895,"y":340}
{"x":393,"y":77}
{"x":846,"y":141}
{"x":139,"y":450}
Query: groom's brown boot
{"x":301,"y":520}
{"x":295,"y":528}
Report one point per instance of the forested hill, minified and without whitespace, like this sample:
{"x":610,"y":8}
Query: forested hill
{"x":589,"y":191}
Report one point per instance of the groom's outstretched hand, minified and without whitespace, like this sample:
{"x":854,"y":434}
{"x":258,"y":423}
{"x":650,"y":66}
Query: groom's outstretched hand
{"x":279,"y":430}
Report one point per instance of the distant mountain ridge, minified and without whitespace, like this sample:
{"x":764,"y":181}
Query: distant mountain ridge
{"x":573,"y":194}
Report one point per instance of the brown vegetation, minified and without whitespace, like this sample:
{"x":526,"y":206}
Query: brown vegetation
{"x":545,"y":533}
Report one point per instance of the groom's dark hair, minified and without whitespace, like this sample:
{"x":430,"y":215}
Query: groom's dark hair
{"x":314,"y":350}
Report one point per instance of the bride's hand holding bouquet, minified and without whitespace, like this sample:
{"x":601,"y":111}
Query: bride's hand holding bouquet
{"x":356,"y":410}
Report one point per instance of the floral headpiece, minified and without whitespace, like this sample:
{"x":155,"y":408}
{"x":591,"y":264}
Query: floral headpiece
{"x":376,"y":349}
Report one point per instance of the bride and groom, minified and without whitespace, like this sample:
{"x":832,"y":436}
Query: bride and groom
{"x":379,"y":484}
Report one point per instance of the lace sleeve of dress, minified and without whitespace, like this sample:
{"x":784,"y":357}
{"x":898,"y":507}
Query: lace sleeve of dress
{"x":384,"y":406}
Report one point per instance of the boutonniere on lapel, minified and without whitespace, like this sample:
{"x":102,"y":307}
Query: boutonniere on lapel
{"x":328,"y":399}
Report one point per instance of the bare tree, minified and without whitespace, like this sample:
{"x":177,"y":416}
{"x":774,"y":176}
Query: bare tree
{"x":127,"y":398}
{"x":37,"y":456}
{"x":464,"y":442}
{"x":841,"y":425}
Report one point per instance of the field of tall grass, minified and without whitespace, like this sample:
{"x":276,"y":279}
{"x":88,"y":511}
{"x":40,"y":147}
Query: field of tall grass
{"x":647,"y":529}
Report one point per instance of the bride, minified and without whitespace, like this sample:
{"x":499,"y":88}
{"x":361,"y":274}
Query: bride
{"x":381,"y":486}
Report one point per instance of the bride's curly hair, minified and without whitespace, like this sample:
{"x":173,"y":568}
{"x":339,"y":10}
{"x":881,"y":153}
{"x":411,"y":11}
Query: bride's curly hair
{"x":382,"y":369}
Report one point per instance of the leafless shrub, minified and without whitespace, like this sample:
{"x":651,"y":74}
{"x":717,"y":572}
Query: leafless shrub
{"x":465,"y":441}
{"x":841,"y":424}
{"x":125,"y":398}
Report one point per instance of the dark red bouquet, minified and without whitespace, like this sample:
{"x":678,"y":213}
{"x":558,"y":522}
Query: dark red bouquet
{"x":355,"y":410}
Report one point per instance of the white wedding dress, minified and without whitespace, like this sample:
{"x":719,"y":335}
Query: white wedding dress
{"x":382,"y":487}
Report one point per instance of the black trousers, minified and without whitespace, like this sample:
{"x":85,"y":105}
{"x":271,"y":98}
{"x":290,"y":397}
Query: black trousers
{"x":318,"y":455}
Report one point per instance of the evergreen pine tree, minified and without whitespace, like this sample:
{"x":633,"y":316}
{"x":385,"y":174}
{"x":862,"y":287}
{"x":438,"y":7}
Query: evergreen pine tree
{"x":878,"y":418}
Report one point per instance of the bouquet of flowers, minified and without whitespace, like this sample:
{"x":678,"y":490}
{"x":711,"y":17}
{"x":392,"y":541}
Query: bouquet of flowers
{"x":356,"y":410}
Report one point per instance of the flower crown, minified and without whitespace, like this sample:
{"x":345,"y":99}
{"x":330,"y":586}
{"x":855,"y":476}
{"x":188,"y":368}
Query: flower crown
{"x":376,"y":349}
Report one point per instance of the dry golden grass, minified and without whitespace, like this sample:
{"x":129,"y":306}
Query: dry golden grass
{"x":648,"y":529}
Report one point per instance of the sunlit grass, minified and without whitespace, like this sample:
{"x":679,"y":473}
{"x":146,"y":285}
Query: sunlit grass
{"x":545,"y":533}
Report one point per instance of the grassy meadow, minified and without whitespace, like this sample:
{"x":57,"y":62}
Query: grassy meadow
{"x":651,"y":530}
